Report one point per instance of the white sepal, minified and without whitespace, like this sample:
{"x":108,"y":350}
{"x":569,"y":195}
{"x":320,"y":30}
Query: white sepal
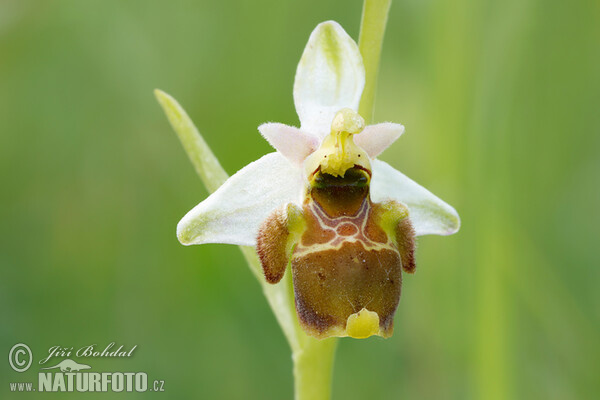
{"x":330,"y":76}
{"x":234,"y":212}
{"x":429,"y":214}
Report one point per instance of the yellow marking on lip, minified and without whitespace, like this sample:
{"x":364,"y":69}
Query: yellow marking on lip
{"x":362,"y":324}
{"x":301,"y":250}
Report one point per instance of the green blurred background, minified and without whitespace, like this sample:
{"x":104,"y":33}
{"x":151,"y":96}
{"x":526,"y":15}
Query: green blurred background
{"x":500,"y":102}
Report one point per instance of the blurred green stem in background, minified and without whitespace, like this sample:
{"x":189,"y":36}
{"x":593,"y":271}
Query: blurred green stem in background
{"x":370,"y":41}
{"x":312,"y":358}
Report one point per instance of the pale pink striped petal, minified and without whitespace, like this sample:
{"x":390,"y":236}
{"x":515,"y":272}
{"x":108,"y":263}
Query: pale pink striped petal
{"x":374,"y":139}
{"x":291,"y":142}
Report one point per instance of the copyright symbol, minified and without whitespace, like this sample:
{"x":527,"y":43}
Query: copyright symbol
{"x":20,"y":357}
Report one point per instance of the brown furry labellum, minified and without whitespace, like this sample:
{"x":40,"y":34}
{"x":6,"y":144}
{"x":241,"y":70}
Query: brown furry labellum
{"x":346,"y":255}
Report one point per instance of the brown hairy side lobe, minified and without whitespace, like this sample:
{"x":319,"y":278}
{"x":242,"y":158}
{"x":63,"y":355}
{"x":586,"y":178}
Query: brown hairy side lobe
{"x":271,"y":245}
{"x":405,"y":237}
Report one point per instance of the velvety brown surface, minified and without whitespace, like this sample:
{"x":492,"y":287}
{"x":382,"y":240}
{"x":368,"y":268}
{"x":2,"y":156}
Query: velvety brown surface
{"x":332,"y":284}
{"x":372,"y":230}
{"x":270,"y":246}
{"x":405,"y":237}
{"x":314,"y":234}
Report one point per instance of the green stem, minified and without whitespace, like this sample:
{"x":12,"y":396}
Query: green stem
{"x":370,"y":41}
{"x":313,"y":369}
{"x":281,"y":299}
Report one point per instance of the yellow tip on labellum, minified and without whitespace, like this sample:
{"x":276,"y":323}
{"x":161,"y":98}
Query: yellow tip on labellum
{"x":338,"y":152}
{"x":362,"y":324}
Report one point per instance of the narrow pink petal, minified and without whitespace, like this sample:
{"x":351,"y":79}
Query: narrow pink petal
{"x":291,"y":142}
{"x":376,"y":138}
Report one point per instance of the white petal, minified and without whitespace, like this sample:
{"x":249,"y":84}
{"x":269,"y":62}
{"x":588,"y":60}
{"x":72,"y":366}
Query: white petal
{"x":330,"y":76}
{"x":293,"y":143}
{"x":233,"y":213}
{"x":429,"y":214}
{"x":374,"y":139}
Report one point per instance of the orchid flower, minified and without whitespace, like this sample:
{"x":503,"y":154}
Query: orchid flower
{"x":323,"y":203}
